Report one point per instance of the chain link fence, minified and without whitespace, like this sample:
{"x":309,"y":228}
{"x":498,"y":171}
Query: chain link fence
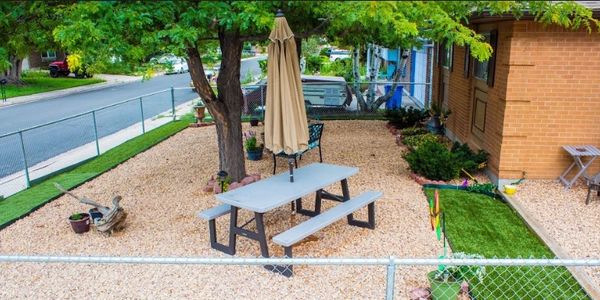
{"x":36,"y":152}
{"x":373,"y":278}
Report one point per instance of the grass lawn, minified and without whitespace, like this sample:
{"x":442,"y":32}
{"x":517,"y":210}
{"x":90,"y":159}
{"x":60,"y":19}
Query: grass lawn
{"x":479,"y":224}
{"x":24,"y":202}
{"x":39,"y":82}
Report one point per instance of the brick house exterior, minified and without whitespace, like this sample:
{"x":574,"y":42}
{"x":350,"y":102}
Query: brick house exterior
{"x":40,"y":60}
{"x":544,"y":92}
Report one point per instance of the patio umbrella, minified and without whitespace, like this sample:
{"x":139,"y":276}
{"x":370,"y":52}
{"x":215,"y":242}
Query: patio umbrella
{"x":286,"y":128}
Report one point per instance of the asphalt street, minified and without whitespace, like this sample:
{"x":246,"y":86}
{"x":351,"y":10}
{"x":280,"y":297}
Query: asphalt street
{"x":48,"y":141}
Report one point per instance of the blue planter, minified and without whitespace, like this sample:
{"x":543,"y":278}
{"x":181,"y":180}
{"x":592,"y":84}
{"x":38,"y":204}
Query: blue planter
{"x":94,"y":214}
{"x":255,"y":154}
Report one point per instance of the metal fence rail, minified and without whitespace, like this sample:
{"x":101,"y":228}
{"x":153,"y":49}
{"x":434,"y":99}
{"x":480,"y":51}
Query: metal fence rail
{"x":502,"y":278}
{"x":40,"y":150}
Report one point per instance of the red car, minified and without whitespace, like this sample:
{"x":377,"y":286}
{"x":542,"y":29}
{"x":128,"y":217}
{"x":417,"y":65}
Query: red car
{"x":61,"y":68}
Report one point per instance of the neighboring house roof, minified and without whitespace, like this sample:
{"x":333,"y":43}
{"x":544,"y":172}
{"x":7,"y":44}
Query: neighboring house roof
{"x":593,"y":5}
{"x":485,"y":17}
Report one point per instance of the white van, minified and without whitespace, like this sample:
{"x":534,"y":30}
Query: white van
{"x":337,"y":54}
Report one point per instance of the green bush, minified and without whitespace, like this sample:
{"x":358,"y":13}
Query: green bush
{"x":415,"y":141}
{"x":313,"y":64}
{"x":406,"y":117}
{"x":341,"y":68}
{"x":470,"y":160}
{"x":410,"y":131}
{"x":434,"y":161}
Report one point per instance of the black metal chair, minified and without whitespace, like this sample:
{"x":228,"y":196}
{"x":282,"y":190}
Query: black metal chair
{"x":593,"y":185}
{"x":315,"y":131}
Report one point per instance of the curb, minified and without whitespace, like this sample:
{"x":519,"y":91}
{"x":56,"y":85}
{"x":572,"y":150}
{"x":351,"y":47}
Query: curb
{"x":65,"y":92}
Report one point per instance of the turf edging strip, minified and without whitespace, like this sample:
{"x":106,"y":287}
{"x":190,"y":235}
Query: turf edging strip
{"x":25,"y":202}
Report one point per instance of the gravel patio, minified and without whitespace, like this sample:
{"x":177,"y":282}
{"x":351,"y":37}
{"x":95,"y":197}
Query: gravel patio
{"x":564,"y":215}
{"x":162,"y":192}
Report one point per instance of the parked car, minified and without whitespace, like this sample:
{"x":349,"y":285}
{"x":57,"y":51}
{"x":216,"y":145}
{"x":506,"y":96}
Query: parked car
{"x":61,"y":68}
{"x":173,"y":64}
{"x":337,"y":54}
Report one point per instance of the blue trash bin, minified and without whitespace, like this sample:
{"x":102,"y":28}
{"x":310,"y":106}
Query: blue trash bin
{"x":395,"y":101}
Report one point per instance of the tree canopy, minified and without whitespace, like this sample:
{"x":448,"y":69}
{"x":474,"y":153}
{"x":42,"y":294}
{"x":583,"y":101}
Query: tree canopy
{"x":133,"y":31}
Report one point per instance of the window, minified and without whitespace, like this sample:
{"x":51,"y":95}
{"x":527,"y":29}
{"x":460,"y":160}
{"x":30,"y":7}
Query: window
{"x":484,"y":70}
{"x":480,"y":68}
{"x":446,"y":53}
{"x":48,"y":55}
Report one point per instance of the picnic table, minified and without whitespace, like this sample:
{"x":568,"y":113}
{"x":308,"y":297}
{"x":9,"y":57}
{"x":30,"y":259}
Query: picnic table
{"x":578,"y":153}
{"x":268,"y":194}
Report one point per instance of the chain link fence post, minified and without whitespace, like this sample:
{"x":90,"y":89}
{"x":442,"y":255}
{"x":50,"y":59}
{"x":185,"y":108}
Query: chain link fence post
{"x":262,"y":103}
{"x":96,"y":133}
{"x":142,"y":113}
{"x":391,"y":272}
{"x":25,"y":160}
{"x":173,"y":102}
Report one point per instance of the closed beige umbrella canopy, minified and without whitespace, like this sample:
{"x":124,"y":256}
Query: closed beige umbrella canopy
{"x":286,"y":128}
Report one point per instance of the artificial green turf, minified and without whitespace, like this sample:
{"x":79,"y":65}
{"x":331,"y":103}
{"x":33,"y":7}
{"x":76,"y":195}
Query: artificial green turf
{"x":24,"y":202}
{"x":39,"y":82}
{"x":479,"y":224}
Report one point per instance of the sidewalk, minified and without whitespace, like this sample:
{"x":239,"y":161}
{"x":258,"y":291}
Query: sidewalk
{"x":111,"y":80}
{"x":16,"y":182}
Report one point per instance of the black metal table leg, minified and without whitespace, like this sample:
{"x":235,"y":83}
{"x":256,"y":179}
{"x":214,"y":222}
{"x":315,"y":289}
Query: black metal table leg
{"x":262,"y":236}
{"x":232,"y":232}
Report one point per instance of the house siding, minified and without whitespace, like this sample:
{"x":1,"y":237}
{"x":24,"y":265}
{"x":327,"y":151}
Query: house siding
{"x":545,"y":95}
{"x":553,"y":99}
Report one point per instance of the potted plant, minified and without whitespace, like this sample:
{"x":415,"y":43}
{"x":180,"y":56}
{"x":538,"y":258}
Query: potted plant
{"x":199,"y":108}
{"x":80,"y":222}
{"x":253,"y":150}
{"x":447,"y":280}
{"x":437,"y":118}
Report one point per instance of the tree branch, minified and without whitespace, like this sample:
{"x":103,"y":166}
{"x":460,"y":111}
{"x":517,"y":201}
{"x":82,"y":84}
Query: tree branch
{"x":199,"y":76}
{"x":319,"y":29}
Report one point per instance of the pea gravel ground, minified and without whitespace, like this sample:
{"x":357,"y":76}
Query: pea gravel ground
{"x":162,"y":192}
{"x":565,"y":217}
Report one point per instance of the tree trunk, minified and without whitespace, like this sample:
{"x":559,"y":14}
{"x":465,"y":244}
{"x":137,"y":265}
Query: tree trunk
{"x":362,"y":105}
{"x":13,"y":75}
{"x":226,"y":106}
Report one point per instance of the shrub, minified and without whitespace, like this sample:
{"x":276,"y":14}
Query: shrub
{"x":434,"y":161}
{"x":413,"y":131}
{"x":405,"y":117}
{"x":415,"y":141}
{"x":470,"y":160}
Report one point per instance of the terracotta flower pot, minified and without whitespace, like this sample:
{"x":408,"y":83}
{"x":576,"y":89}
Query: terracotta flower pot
{"x":200,"y":113}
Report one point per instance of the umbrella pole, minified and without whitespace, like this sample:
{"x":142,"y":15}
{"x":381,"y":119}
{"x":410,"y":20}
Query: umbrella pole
{"x":291,"y":165}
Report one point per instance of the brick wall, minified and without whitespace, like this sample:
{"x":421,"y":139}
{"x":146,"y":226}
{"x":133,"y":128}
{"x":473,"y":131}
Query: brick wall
{"x":553,"y":99}
{"x":546,"y":94}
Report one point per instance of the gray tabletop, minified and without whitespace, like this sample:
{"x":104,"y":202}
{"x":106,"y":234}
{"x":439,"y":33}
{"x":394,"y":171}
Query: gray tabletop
{"x":275,"y":191}
{"x":583,"y":150}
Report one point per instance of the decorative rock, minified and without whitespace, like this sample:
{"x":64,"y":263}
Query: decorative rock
{"x":209,"y":185}
{"x":420,"y":294}
{"x":247,"y":180}
{"x":234,"y":185}
{"x":399,"y":139}
{"x":256,"y":176}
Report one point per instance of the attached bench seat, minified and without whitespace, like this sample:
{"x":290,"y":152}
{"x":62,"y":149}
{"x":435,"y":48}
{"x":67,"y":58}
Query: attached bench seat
{"x":345,"y":209}
{"x":210,"y":215}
